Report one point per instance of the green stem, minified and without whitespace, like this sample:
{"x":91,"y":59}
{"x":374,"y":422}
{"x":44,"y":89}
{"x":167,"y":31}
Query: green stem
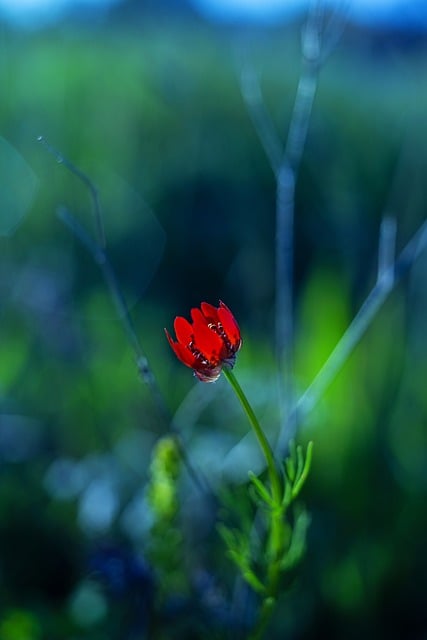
{"x":264,"y":444}
{"x":276,"y":533}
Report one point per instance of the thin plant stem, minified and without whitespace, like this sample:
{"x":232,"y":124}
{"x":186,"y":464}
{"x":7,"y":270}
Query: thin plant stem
{"x":386,"y":282}
{"x":320,"y":36}
{"x":263,"y":124}
{"x":387,"y":248}
{"x":99,"y":223}
{"x":286,"y":180}
{"x":96,"y":247}
{"x":261,"y":437}
{"x":276,"y":531}
{"x":99,"y":255}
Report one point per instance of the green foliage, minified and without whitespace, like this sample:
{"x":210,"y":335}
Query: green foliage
{"x":256,"y":558}
{"x":165,"y":542}
{"x":20,"y":625}
{"x":164,"y":473}
{"x":296,"y":467}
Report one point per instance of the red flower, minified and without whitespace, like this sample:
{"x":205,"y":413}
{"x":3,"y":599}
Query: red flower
{"x":210,"y":342}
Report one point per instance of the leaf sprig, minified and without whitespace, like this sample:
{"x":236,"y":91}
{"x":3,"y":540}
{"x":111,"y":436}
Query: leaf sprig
{"x":283,"y":544}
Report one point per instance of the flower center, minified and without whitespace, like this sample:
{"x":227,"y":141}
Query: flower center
{"x":219,"y":330}
{"x":200,"y":357}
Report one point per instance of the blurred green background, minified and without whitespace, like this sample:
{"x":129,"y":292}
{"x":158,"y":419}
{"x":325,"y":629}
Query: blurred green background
{"x":150,"y":109}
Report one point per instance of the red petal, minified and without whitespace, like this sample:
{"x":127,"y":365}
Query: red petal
{"x":183,"y":330}
{"x":209,"y":343}
{"x":230,"y":325}
{"x":185,"y":356}
{"x":198,"y":317}
{"x":181,"y":352}
{"x":210,"y":312}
